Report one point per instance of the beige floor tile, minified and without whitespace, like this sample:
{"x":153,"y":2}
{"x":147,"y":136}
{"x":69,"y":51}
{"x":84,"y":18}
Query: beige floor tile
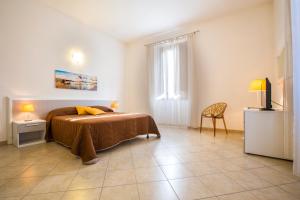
{"x":48,"y":196}
{"x":149,"y":174}
{"x":5,"y":161}
{"x":85,"y":180}
{"x":120,"y":153}
{"x":49,"y":159}
{"x":69,"y":167}
{"x":144,"y":154}
{"x":189,"y":157}
{"x":11,"y":171}
{"x":293,"y":188}
{"x":248,"y":180}
{"x":124,"y":192}
{"x":55,"y":183}
{"x":103,"y":155}
{"x":224,"y":165}
{"x":158,"y":147}
{"x":99,"y":166}
{"x":10,"y":198}
{"x":209,"y":155}
{"x":190,"y":188}
{"x":18,"y":187}
{"x":272,"y":176}
{"x":198,"y":148}
{"x":246,"y":163}
{"x":37,"y":170}
{"x":162,"y":152}
{"x":177,"y":171}
{"x":201,"y":168}
{"x":273,"y":193}
{"x":229,"y":154}
{"x":156,"y":191}
{"x":119,"y":164}
{"x":89,"y":194}
{"x":2,"y":181}
{"x":167,"y":160}
{"x":24,"y":161}
{"x":178,"y":150}
{"x":220,"y":184}
{"x":144,"y":162}
{"x":269,"y":161}
{"x":287,"y":170}
{"x":119,"y":177}
{"x":238,"y":196}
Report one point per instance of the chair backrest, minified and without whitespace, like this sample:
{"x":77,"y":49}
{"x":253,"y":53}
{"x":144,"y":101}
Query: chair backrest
{"x":216,"y":110}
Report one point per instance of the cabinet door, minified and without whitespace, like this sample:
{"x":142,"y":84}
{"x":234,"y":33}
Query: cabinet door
{"x":264,"y":133}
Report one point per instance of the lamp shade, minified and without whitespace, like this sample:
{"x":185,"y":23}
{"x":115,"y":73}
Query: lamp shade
{"x":257,"y":85}
{"x":28,"y":108}
{"x":114,"y":105}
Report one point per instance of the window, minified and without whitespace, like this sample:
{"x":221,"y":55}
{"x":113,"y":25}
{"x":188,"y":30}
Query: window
{"x":172,"y":72}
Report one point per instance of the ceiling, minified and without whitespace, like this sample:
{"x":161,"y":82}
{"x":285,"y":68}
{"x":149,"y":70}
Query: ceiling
{"x":128,"y":20}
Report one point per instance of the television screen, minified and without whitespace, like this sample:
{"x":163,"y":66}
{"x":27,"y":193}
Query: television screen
{"x":268,"y":95}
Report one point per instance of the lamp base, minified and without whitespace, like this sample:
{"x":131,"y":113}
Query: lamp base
{"x":266,"y":109}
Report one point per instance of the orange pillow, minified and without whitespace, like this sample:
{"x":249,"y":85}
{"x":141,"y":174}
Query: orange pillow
{"x":81,"y":110}
{"x":94,"y":111}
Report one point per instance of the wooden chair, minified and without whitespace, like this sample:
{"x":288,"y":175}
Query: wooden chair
{"x":215,"y":111}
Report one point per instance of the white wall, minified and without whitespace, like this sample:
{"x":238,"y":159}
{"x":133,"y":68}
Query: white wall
{"x":35,"y":40}
{"x":233,"y":50}
{"x":136,"y":79}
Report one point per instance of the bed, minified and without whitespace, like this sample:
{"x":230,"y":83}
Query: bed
{"x":87,"y":134}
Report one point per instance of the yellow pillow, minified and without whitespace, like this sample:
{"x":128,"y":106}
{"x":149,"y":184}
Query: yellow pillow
{"x":94,"y":111}
{"x":81,"y":110}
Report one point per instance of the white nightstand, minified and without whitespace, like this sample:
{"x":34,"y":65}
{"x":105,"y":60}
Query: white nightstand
{"x":27,"y":133}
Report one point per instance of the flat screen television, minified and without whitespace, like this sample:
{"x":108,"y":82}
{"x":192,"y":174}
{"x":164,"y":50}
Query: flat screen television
{"x":268,"y":95}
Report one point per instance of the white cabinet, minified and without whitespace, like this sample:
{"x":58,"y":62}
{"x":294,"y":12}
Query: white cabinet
{"x":27,"y":133}
{"x":264,"y":133}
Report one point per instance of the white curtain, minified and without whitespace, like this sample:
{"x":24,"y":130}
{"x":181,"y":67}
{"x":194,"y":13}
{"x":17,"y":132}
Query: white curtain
{"x":173,"y":82}
{"x":288,"y":83}
{"x":295,"y":9}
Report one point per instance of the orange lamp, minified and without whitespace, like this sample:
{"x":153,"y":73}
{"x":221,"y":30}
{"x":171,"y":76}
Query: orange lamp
{"x":258,"y":85}
{"x":28,"y":108}
{"x":114,"y":105}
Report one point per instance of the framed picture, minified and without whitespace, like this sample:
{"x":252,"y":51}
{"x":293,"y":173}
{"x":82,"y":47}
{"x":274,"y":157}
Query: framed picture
{"x":69,"y":80}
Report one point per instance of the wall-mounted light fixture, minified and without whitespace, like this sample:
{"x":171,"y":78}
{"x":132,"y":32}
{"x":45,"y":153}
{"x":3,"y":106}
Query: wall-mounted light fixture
{"x":77,"y":57}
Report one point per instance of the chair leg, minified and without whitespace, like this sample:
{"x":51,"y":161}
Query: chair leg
{"x":214,"y":124}
{"x":225,"y":125}
{"x":201,"y":124}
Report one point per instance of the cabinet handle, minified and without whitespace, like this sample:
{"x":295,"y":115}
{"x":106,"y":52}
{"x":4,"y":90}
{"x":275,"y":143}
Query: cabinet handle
{"x":28,"y":125}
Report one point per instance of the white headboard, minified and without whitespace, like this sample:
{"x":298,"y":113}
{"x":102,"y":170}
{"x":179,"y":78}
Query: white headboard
{"x":42,"y":108}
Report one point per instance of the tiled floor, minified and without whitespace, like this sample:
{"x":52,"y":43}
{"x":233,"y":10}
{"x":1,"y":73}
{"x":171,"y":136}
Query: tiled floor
{"x":181,"y":165}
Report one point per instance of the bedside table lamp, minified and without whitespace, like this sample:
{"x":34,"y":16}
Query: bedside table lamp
{"x":28,"y":108}
{"x":258,"y":85}
{"x":114,"y":105}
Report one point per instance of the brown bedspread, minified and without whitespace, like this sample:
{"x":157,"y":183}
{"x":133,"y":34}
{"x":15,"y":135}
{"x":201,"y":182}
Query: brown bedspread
{"x":86,"y":134}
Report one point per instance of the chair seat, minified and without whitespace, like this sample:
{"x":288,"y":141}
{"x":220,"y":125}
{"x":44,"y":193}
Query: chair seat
{"x":215,"y":111}
{"x":212,"y":116}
